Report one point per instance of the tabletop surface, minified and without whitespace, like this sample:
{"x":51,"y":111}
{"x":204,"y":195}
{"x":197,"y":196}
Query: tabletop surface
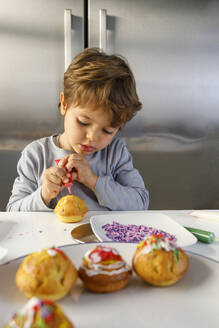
{"x":191,"y":302}
{"x":32,"y":231}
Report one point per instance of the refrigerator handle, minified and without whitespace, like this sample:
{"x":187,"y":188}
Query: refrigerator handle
{"x":67,"y":37}
{"x":102,"y":35}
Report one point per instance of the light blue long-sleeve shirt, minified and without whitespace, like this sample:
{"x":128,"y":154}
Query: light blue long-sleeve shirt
{"x":119,"y":186}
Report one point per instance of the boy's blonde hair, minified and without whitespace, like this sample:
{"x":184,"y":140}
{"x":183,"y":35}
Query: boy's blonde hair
{"x":99,"y":80}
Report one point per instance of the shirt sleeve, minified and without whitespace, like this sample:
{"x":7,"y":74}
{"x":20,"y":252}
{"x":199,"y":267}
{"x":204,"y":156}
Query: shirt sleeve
{"x":123,"y":189}
{"x":26,"y":194}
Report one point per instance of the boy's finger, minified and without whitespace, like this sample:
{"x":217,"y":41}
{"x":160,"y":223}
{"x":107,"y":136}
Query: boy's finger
{"x":78,"y":151}
{"x":74,"y":175}
{"x":75,"y":157}
{"x":69,"y":167}
{"x":55,"y":179}
{"x":53,"y":187}
{"x":73,"y":162}
{"x":63,"y":162}
{"x":56,"y":172}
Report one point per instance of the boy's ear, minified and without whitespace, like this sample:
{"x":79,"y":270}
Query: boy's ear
{"x":63,"y":106}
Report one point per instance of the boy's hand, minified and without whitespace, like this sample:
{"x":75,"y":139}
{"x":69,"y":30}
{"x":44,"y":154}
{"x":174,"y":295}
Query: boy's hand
{"x":53,"y":179}
{"x":81,"y":171}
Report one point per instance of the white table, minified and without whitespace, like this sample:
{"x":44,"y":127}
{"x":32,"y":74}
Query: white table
{"x":192,"y":302}
{"x":25,"y":232}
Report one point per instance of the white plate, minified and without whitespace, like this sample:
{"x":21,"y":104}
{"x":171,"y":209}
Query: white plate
{"x":138,"y":305}
{"x":154,"y":220}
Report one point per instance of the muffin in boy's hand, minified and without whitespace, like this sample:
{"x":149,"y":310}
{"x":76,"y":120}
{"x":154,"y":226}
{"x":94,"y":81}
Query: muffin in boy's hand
{"x":39,"y":313}
{"x":71,"y":208}
{"x":159,"y":261}
{"x":47,"y":274}
{"x":104,"y":271}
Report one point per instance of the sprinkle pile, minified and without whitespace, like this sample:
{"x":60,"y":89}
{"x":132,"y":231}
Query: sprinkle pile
{"x":132,"y":233}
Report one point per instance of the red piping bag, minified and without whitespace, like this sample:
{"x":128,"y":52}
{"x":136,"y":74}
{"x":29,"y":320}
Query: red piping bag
{"x":69,"y":183}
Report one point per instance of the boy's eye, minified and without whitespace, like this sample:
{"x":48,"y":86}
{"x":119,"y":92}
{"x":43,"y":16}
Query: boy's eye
{"x":107,"y":132}
{"x":82,"y":123}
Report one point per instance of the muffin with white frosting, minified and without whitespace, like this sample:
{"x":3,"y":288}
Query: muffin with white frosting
{"x":39,"y":313}
{"x":48,"y":274}
{"x":104,"y":271}
{"x":159,"y":261}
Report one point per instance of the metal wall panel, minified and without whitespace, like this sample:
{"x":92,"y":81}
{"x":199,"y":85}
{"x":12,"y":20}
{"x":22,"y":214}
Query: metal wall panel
{"x":32,"y":63}
{"x":32,"y":68}
{"x":173,"y":48}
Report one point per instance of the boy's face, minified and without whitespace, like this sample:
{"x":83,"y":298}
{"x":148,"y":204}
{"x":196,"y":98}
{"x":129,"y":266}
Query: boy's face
{"x":86,"y":130}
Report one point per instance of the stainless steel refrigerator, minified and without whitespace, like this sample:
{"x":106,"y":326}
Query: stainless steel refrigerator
{"x":172,"y":47}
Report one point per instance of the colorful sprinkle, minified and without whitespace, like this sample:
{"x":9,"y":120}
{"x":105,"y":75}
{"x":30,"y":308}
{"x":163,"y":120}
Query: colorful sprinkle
{"x":158,"y":242}
{"x":45,"y":309}
{"x":132,"y":233}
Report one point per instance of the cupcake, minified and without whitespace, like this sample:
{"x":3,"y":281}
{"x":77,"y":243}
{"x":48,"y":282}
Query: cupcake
{"x":159,"y":261}
{"x":39,"y":313}
{"x":103,"y":270}
{"x":46,"y":274}
{"x":71,"y":209}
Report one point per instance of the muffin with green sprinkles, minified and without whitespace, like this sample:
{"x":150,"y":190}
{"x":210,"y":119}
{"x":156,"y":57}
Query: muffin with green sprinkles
{"x":159,"y":261}
{"x":38,"y":313}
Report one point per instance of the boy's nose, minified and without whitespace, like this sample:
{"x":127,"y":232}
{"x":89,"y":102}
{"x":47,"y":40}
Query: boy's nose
{"x":92,"y":135}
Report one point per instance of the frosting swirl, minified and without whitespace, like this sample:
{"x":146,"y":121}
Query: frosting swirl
{"x":104,"y":260}
{"x":158,"y":242}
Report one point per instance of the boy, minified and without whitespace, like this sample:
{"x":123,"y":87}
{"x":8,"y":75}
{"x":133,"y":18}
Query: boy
{"x":98,"y":98}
